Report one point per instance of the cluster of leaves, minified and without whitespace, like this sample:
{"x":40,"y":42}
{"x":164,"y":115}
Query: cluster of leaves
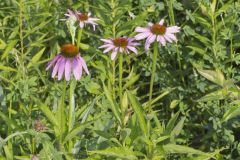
{"x":195,"y":97}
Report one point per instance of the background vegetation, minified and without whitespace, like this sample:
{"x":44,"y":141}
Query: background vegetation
{"x":195,"y":99}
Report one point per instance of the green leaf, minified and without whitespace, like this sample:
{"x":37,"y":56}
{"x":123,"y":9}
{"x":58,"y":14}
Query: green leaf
{"x":35,"y":58}
{"x":177,"y":129}
{"x":114,"y":107}
{"x":77,"y":129}
{"x":12,"y":124}
{"x":139,"y":112}
{"x":171,"y":123}
{"x":224,"y":8}
{"x":174,"y":148}
{"x":9,"y":47}
{"x":216,"y":95}
{"x":214,"y":76}
{"x":8,"y":69}
{"x":47,"y":112}
{"x":231,"y":113}
{"x":118,"y":152}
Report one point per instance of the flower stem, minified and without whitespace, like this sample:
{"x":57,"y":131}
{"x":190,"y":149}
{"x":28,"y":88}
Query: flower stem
{"x":79,"y":36}
{"x":120,"y":83}
{"x":155,"y":52}
{"x":71,"y":115}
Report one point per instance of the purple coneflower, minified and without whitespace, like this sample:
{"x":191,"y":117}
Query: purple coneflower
{"x":82,"y":18}
{"x":119,"y":45}
{"x":68,"y":61}
{"x":70,"y":14}
{"x":158,"y":32}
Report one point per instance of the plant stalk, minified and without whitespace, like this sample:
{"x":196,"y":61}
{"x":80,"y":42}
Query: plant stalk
{"x":154,"y":65}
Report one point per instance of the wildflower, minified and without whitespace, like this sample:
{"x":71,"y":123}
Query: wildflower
{"x":119,"y":45}
{"x":158,"y":32}
{"x":68,"y":61}
{"x":82,"y":18}
{"x":70,"y":14}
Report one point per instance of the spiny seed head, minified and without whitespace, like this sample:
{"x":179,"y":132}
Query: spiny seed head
{"x":158,"y":29}
{"x":82,"y":17}
{"x":69,"y":50}
{"x":120,"y":42}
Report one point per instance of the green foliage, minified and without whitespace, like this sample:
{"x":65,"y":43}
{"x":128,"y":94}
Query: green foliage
{"x":194,"y":111}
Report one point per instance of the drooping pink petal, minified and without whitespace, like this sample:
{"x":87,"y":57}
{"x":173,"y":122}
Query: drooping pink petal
{"x":114,"y":54}
{"x":93,"y":19}
{"x":77,"y":68}
{"x":81,"y":24}
{"x":107,"y":41}
{"x":172,"y":36}
{"x":121,"y":50}
{"x":143,"y":35}
{"x":151,"y":39}
{"x":55,"y":69}
{"x":161,"y":40}
{"x":168,"y":39}
{"x":68,"y":68}
{"x":173,"y":29}
{"x":84,"y":65}
{"x":133,"y":49}
{"x":61,"y":69}
{"x":52,"y":62}
{"x":106,"y":46}
{"x":108,"y":49}
{"x":141,"y":29}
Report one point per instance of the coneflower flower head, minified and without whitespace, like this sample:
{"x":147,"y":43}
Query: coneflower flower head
{"x":82,"y":18}
{"x":157,"y":32}
{"x":119,"y":45}
{"x":68,"y":61}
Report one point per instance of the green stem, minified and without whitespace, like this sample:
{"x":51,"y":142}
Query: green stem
{"x":62,"y":117}
{"x":79,"y":36}
{"x":71,"y":112}
{"x":154,"y":65}
{"x":172,"y":21}
{"x":120,"y":83}
{"x":113,"y":77}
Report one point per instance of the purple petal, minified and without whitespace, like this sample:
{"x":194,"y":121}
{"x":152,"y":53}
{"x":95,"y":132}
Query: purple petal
{"x":172,"y":36}
{"x":133,"y":49}
{"x":81,"y":24}
{"x":55,"y":59}
{"x":106,"y":46}
{"x":77,"y":68}
{"x":173,"y":29}
{"x":161,"y":40}
{"x":61,"y":69}
{"x":168,"y":39}
{"x":107,"y":41}
{"x":68,"y":68}
{"x":141,"y":29}
{"x":161,"y":22}
{"x":151,"y":39}
{"x":142,"y":35}
{"x":55,"y":69}
{"x":84,"y":65}
{"x":114,"y":54}
{"x":108,"y":49}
